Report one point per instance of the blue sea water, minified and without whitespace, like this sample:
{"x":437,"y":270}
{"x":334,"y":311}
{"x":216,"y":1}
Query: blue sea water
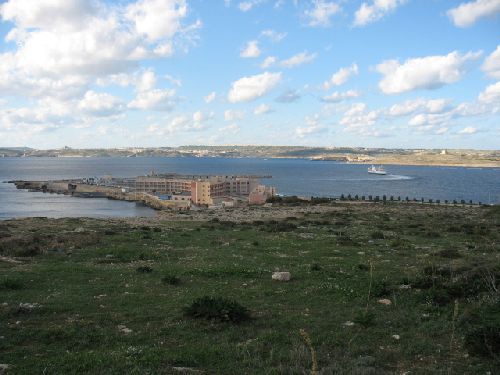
{"x":290,"y":176}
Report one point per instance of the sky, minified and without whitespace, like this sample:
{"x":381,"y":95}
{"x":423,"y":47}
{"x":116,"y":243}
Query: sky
{"x":158,"y":73}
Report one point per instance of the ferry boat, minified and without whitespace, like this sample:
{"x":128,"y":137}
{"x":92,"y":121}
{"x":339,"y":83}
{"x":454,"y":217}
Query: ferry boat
{"x":375,"y":170}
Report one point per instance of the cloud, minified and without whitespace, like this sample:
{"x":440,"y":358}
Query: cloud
{"x":429,"y":72}
{"x":491,"y":94}
{"x":100,"y":104}
{"x":341,"y":76}
{"x":359,"y":120}
{"x":367,"y":14}
{"x":251,"y":50}
{"x":273,"y":35}
{"x":210,"y":97}
{"x":288,"y":96}
{"x":181,"y":123}
{"x":418,"y":105}
{"x":232,"y":115}
{"x":250,"y":88}
{"x":233,"y":128}
{"x":491,"y":65}
{"x":146,"y":82}
{"x":156,"y":99}
{"x":292,"y":62}
{"x":466,"y":14}
{"x":157,"y":19}
{"x":63,"y":46}
{"x":468,"y":130}
{"x":337,"y":96}
{"x":262,"y":109}
{"x":268,"y":62}
{"x":312,"y":126}
{"x":245,"y":6}
{"x":321,"y":12}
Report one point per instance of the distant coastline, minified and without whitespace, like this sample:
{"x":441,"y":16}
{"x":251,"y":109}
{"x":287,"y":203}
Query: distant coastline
{"x":354,"y":155}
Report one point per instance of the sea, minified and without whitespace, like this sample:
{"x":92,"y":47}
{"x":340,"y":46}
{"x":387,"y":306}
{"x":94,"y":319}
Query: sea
{"x":300,"y":177}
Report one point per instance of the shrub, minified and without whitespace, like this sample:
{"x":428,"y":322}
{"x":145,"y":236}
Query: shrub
{"x":377,"y":235}
{"x":12,"y":284}
{"x":144,"y":269}
{"x":482,"y":331}
{"x":381,"y":289}
{"x":218,"y":309}
{"x":450,"y":253}
{"x":171,"y":280}
{"x":315,"y":267}
{"x":365,"y":318}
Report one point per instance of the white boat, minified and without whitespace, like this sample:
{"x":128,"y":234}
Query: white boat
{"x":375,"y":170}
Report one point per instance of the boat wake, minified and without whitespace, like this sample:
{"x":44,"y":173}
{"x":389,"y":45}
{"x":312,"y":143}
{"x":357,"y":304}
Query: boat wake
{"x":389,"y":177}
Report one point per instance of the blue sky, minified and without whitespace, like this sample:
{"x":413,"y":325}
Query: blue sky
{"x":374,"y":73}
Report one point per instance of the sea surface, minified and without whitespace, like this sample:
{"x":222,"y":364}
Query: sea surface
{"x":290,"y":176}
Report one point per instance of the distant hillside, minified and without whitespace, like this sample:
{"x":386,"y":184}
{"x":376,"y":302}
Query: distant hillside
{"x":478,"y":158}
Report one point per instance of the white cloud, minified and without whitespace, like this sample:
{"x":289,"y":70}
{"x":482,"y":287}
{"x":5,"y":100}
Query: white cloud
{"x":468,"y":130}
{"x":233,"y":115}
{"x":337,"y":96}
{"x":429,"y":72}
{"x":321,"y":12}
{"x":251,"y":50}
{"x":313,"y":125}
{"x":63,"y":46}
{"x":426,"y":119}
{"x":245,"y":6}
{"x":491,"y":94}
{"x":146,"y":82}
{"x":359,"y":120}
{"x":292,"y":62}
{"x":262,"y":109}
{"x":378,"y":9}
{"x":156,"y":99}
{"x":100,"y":104}
{"x":157,"y":19}
{"x":268,"y":62}
{"x":491,"y":64}
{"x":181,"y":123}
{"x":273,"y":35}
{"x":341,"y":76}
{"x":233,"y":128}
{"x":466,"y":14}
{"x":418,"y":105}
{"x":252,"y":87}
{"x":210,"y":97}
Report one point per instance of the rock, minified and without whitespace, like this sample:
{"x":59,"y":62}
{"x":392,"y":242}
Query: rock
{"x":3,"y":368}
{"x":396,"y":337}
{"x":79,"y":230}
{"x":348,"y":324}
{"x":124,"y":329}
{"x":385,"y":301}
{"x":281,"y":276}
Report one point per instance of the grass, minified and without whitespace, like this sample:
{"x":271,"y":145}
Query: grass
{"x":76,"y":301}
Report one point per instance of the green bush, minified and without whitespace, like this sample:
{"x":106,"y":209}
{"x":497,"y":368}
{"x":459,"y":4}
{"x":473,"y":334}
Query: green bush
{"x":218,"y":309}
{"x":481,"y":327}
{"x":377,"y":235}
{"x":171,"y":280}
{"x":450,"y":253}
{"x":144,"y":269}
{"x":365,"y":318}
{"x":12,"y":284}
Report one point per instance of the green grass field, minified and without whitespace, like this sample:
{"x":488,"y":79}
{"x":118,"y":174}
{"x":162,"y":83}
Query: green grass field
{"x":108,"y":296}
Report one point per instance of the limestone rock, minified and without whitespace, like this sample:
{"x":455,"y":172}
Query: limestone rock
{"x":281,"y":276}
